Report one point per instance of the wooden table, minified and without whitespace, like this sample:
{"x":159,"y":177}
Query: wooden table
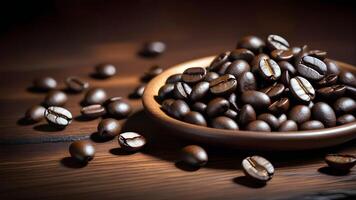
{"x":72,"y":38}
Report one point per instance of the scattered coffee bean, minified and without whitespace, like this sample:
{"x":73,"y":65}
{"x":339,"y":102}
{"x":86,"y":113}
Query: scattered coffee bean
{"x":237,"y":67}
{"x":300,"y":114}
{"x":138,"y":92}
{"x":119,"y":109}
{"x":241,"y":54}
{"x":311,"y":125}
{"x":194,"y":118}
{"x":194,"y":155}
{"x":55,"y":98}
{"x":258,"y":125}
{"x":131,"y":141}
{"x":194,"y":74}
{"x":174,"y":78}
{"x":58,"y":117}
{"x":75,"y":84}
{"x":152,"y":72}
{"x":223,"y":85}
{"x":246,"y":115}
{"x":35,"y":113}
{"x":258,"y":100}
{"x":258,"y":168}
{"x":82,"y":151}
{"x":199,"y":91}
{"x":223,"y":122}
{"x":345,"y":119}
{"x":95,"y":96}
{"x":269,"y":69}
{"x":217,"y":107}
{"x":288,"y":125}
{"x":105,"y":70}
{"x":341,"y":162}
{"x":345,"y":105}
{"x":270,"y":119}
{"x":302,"y":89}
{"x":277,"y":42}
{"x":44,"y":83}
{"x":312,"y":68}
{"x":93,"y":111}
{"x":246,"y":81}
{"x":108,"y":128}
{"x":181,"y":90}
{"x":324,"y":113}
{"x":252,"y":43}
{"x":153,"y":49}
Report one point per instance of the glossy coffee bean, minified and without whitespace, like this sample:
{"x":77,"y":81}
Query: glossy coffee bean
{"x":345,"y":119}
{"x":241,"y":54}
{"x":199,"y":107}
{"x":138,"y":91}
{"x":256,"y":61}
{"x":270,"y":119}
{"x":274,"y":91}
{"x":246,"y":81}
{"x":194,"y":155}
{"x":288,"y":125}
{"x":233,"y":102}
{"x":55,"y":98}
{"x":258,"y":169}
{"x":280,"y":106}
{"x":225,"y":84}
{"x":193,"y":117}
{"x":280,"y":55}
{"x":95,"y":96}
{"x":93,"y":111}
{"x":311,"y":125}
{"x":231,"y":114}
{"x":328,"y":80}
{"x":252,"y":43}
{"x":174,"y":78}
{"x":351,"y":91}
{"x":331,"y":92}
{"x":332,"y":67}
{"x":119,"y":109}
{"x":223,"y":68}
{"x":301,"y":89}
{"x":131,"y":141}
{"x":320,"y":54}
{"x":166,"y":91}
{"x":82,"y":151}
{"x":258,"y":100}
{"x":324,"y":113}
{"x":181,"y":90}
{"x":108,"y":128}
{"x":223,"y":122}
{"x":277,"y":42}
{"x":282,"y":118}
{"x":218,"y":61}
{"x":166,"y":105}
{"x":345,"y":105}
{"x":58,"y":117}
{"x":152,"y":72}
{"x":44,"y":83}
{"x":105,"y":70}
{"x":286,"y":66}
{"x":217,"y":107}
{"x":75,"y":84}
{"x":258,"y":125}
{"x":246,"y":115}
{"x":110,"y":100}
{"x":312,"y":68}
{"x":194,"y":74}
{"x":341,"y":162}
{"x":347,"y":78}
{"x":211,"y":76}
{"x":299,"y":114}
{"x":178,"y":109}
{"x":199,"y":91}
{"x":285,"y":78}
{"x":35,"y":113}
{"x":269,"y":69}
{"x":238,"y":67}
{"x":153,"y":49}
{"x":296,"y":50}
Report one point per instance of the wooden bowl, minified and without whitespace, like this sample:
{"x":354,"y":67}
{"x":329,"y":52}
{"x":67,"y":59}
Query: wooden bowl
{"x":297,"y":140}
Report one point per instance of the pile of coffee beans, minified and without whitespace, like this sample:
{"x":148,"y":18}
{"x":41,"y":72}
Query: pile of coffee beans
{"x":263,"y":85}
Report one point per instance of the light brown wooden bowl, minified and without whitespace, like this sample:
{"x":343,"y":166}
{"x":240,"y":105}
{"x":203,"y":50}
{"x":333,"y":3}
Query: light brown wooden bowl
{"x":297,"y":140}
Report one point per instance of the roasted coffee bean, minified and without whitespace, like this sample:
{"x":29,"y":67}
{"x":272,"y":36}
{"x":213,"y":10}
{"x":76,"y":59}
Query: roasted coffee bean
{"x":301,"y":89}
{"x":258,"y":125}
{"x":241,"y":54}
{"x":288,"y":125}
{"x":105,"y":70}
{"x":296,"y":50}
{"x":44,"y":83}
{"x":223,"y":122}
{"x":256,"y":61}
{"x":279,"y":106}
{"x":195,"y":118}
{"x":324,"y":113}
{"x":312,"y":68}
{"x":258,"y":100}
{"x":55,"y":98}
{"x":233,"y":100}
{"x":332,"y":92}
{"x":194,"y":155}
{"x":182,"y":90}
{"x":211,"y":76}
{"x":311,"y":125}
{"x":238,"y":67}
{"x":345,"y":119}
{"x":138,"y":91}
{"x":131,"y":141}
{"x":285,"y":78}
{"x":277,"y":42}
{"x":258,"y":169}
{"x":225,"y":84}
{"x":152,"y":72}
{"x":110,"y":100}
{"x":153,"y":49}
{"x":93,"y":111}
{"x":246,"y":81}
{"x":246,"y":115}
{"x":58,"y":117}
{"x":299,"y":114}
{"x":347,"y":78}
{"x":345,"y":105}
{"x":199,"y":91}
{"x":318,"y":54}
{"x":332,"y":67}
{"x":178,"y":109}
{"x":174,"y":78}
{"x":270,"y":119}
{"x":166,"y":91}
{"x":194,"y":74}
{"x":199,"y":107}
{"x":95,"y":96}
{"x":218,"y":61}
{"x":231,"y":114}
{"x":223,"y":68}
{"x":274,"y":91}
{"x":252,"y":43}
{"x":286,"y":66}
{"x":120,"y":108}
{"x":35,"y":113}
{"x":282,"y":118}
{"x":75,"y":84}
{"x":217,"y":107}
{"x":351,"y":91}
{"x":109,"y":128}
{"x":280,"y":54}
{"x":302,"y":53}
{"x":341,"y":162}
{"x":166,"y":105}
{"x":82,"y":151}
{"x":328,"y":80}
{"x":269,"y":69}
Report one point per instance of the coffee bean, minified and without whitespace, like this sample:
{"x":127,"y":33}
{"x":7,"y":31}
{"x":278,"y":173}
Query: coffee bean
{"x":286,"y":66}
{"x":82,"y":151}
{"x":270,"y":119}
{"x":296,"y":50}
{"x":194,"y":155}
{"x":282,"y":118}
{"x":131,"y":141}
{"x":351,"y":91}
{"x":258,"y":100}
{"x":223,"y":68}
{"x":301,"y":89}
{"x":332,"y":92}
{"x":35,"y":113}
{"x":328,"y":80}
{"x":110,"y":100}
{"x":199,"y":107}
{"x":241,"y":54}
{"x":252,"y":43}
{"x":153,"y":49}
{"x":246,"y":115}
{"x":280,"y":54}
{"x":58,"y":117}
{"x":288,"y":125}
{"x":277,"y":42}
{"x":199,"y":91}
{"x":138,"y":91}
{"x":231,"y":114}
{"x":312,"y":68}
{"x":246,"y":81}
{"x":269,"y":70}
{"x":324,"y":113}
{"x":105,"y":70}
{"x":341,"y":162}
{"x":217,"y":107}
{"x":166,"y":105}
{"x":238,"y":67}
{"x":108,"y":128}
{"x":152,"y":72}
{"x":55,"y":98}
{"x":345,"y":105}
{"x":178,"y":109}
{"x":345,"y":119}
{"x":193,"y":74}
{"x":223,"y":122}
{"x":302,"y":53}
{"x":259,"y":126}
{"x":211,"y":76}
{"x":320,"y":54}
{"x":182,"y":90}
{"x":174,"y":78}
{"x":232,"y":100}
{"x":166,"y":91}
{"x":332,"y":67}
{"x":95,"y":96}
{"x":44,"y":83}
{"x":311,"y":125}
{"x":119,"y":109}
{"x":285,"y":78}
{"x":280,"y":106}
{"x":93,"y":111}
{"x":218,"y":61}
{"x":347,"y":78}
{"x":75,"y":84}
{"x":225,"y":84}
{"x":258,"y":169}
{"x":299,"y":114}
{"x":195,"y":118}
{"x":274,"y":91}
{"x":256,"y":61}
